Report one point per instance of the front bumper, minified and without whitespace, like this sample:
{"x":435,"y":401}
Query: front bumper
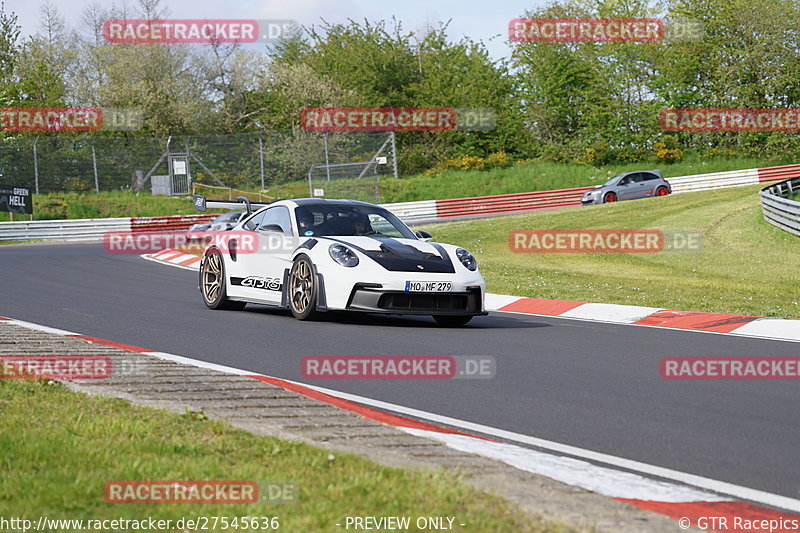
{"x":592,"y":200}
{"x":374,"y":300}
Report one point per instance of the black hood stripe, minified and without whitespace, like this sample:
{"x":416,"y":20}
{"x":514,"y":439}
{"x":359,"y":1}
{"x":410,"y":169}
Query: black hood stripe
{"x":403,"y":257}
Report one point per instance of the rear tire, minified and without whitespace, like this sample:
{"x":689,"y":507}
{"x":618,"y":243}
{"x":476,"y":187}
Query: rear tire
{"x":303,"y":289}
{"x":662,"y":191}
{"x":212,"y":283}
{"x":452,"y":321}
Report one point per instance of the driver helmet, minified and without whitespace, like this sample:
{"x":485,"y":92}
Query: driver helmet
{"x":361,"y":224}
{"x":305,"y":218}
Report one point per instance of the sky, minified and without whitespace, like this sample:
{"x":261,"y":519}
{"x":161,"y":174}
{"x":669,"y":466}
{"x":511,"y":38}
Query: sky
{"x":477,"y":19}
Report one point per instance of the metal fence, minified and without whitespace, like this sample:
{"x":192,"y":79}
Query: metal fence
{"x":57,"y":163}
{"x":778,"y":210}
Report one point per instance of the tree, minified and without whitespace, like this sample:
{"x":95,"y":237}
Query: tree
{"x":9,"y":53}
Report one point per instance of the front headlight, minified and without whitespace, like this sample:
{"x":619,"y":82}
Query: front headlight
{"x":467,"y":259}
{"x":343,"y":255}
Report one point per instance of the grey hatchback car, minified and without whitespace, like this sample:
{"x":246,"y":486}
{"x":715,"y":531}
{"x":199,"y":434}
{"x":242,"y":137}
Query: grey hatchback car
{"x":628,"y":186}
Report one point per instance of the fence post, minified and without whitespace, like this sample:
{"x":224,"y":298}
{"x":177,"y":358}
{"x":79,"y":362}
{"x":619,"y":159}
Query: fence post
{"x":261,"y":161}
{"x":94,"y":164}
{"x":394,"y":155}
{"x":36,"y":164}
{"x":327,"y":162}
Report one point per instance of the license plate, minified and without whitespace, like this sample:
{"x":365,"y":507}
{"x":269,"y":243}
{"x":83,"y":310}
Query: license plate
{"x":429,"y":286}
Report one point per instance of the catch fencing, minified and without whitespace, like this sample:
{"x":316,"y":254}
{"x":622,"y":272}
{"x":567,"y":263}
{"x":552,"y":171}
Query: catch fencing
{"x":52,"y":163}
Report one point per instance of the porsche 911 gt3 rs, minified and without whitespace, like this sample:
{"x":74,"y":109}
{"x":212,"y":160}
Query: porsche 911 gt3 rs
{"x":317,"y":255}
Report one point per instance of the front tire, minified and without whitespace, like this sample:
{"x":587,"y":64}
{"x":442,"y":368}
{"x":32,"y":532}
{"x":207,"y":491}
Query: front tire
{"x":212,"y":283}
{"x":303,"y":289}
{"x":452,"y":321}
{"x":610,"y":198}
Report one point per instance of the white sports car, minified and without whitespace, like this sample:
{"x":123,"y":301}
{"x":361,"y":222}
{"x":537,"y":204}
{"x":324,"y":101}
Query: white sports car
{"x":317,"y":255}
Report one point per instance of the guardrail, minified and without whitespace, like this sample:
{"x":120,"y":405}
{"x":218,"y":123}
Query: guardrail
{"x":426,"y":210}
{"x":413,"y":211}
{"x":778,"y":210}
{"x":509,"y":203}
{"x":477,"y":206}
{"x":167,"y":223}
{"x":779,"y":173}
{"x":716,"y":180}
{"x":92,"y":229}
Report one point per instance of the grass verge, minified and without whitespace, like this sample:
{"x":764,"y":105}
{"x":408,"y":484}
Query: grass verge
{"x":454,"y":184}
{"x":543,"y":176}
{"x":746,"y":266}
{"x":58,"y":466}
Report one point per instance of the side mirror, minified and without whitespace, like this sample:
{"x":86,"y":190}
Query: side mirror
{"x":423,"y":235}
{"x":271,"y":228}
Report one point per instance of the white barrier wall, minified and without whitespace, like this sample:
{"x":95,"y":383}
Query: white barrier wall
{"x":94,"y":228}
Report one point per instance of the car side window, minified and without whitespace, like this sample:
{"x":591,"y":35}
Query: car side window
{"x":648,"y":176}
{"x":627,"y":180}
{"x":277,"y":216}
{"x":254,"y":221}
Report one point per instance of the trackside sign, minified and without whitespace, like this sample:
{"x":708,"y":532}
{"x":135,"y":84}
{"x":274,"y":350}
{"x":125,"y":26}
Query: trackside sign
{"x":16,"y":200}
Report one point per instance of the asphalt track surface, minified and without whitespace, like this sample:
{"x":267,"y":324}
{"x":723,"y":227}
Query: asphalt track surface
{"x":587,"y":384}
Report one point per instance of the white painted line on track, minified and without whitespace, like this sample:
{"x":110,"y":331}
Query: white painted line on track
{"x":611,"y":482}
{"x":719,"y":487}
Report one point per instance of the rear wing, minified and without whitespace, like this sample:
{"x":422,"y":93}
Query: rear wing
{"x":201,"y":204}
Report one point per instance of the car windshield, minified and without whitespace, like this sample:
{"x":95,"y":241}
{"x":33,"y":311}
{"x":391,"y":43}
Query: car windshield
{"x":349,"y":220}
{"x":613,"y":180}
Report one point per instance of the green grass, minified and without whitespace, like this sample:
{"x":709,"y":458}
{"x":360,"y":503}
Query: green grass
{"x":544,"y":176}
{"x":539,"y":176}
{"x":455,"y":184}
{"x":746,"y":265}
{"x":58,"y":465}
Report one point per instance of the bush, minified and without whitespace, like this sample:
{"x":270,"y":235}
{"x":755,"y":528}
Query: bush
{"x":419,"y":158}
{"x":556,"y":153}
{"x":668,"y":150}
{"x":599,"y":154}
{"x":471,"y":162}
{"x":79,"y":184}
{"x":51,"y":209}
{"x":631,"y":155}
{"x":498,"y":160}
